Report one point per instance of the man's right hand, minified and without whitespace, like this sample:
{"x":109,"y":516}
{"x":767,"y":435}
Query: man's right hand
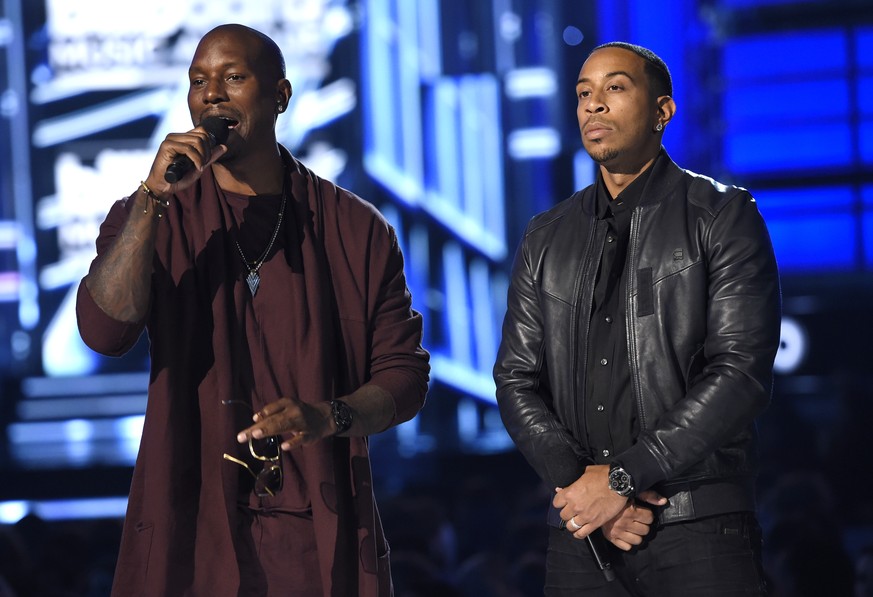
{"x":634,"y":522}
{"x":196,"y":145}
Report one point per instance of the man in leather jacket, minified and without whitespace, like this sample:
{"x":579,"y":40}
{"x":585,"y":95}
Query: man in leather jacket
{"x":643,"y":317}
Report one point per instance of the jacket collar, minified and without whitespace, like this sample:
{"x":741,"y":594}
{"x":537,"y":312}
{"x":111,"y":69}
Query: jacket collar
{"x":664,"y":178}
{"x":665,"y":175}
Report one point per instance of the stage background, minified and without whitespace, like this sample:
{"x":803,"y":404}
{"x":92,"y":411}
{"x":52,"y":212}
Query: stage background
{"x":457,"y":120}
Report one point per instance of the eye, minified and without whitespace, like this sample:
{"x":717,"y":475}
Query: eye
{"x":615,"y":87}
{"x":584,"y":93}
{"x":235,"y":78}
{"x":197,"y":82}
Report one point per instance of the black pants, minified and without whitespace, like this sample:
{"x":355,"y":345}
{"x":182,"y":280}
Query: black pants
{"x":720,"y":555}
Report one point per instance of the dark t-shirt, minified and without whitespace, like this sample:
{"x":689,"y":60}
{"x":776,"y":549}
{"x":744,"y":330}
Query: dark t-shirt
{"x":271,"y":352}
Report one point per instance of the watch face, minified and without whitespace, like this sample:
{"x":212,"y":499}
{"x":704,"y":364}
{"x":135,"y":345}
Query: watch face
{"x":342,"y":415}
{"x":616,"y":482}
{"x":620,"y":481}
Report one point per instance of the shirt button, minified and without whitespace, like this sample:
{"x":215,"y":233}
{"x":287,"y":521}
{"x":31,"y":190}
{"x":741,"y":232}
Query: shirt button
{"x":599,"y":408}
{"x":608,"y":319}
{"x":610,"y":239}
{"x":603,"y":361}
{"x":605,"y":453}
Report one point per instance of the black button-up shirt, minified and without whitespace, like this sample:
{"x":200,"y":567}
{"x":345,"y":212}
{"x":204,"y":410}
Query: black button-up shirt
{"x":610,"y":412}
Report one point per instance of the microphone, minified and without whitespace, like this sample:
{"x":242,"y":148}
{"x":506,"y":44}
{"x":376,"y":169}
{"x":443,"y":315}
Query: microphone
{"x":597,"y":546}
{"x":217,"y":129}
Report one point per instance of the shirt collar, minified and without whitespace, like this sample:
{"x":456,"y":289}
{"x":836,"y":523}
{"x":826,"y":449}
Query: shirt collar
{"x":628,"y":198}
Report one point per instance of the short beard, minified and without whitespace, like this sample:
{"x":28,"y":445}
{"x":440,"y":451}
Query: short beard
{"x":604,"y":155}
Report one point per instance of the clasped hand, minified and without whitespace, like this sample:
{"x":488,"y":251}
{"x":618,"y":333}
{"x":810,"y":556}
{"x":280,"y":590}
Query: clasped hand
{"x":592,"y":505}
{"x":299,"y":423}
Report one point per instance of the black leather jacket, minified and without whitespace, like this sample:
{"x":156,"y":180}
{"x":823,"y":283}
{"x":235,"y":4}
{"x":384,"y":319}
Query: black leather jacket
{"x":703,"y":324}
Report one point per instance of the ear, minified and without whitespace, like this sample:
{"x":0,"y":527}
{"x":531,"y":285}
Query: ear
{"x":283,"y":94}
{"x":666,"y":109}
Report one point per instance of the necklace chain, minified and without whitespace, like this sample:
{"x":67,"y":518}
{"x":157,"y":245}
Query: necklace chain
{"x":254,"y":278}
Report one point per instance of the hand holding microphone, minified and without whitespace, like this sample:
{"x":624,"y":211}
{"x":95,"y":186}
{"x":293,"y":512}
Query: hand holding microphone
{"x":217,"y":130}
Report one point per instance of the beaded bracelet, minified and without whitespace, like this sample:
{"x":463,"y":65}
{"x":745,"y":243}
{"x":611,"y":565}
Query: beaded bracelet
{"x":151,"y":195}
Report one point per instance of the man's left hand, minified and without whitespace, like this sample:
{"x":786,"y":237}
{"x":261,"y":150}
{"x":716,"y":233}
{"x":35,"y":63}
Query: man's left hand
{"x":299,"y":423}
{"x":634,"y":522}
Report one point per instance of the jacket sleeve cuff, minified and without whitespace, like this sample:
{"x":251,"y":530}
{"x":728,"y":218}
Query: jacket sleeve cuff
{"x":407,"y":386}
{"x":642,"y":467}
{"x":100,"y":332}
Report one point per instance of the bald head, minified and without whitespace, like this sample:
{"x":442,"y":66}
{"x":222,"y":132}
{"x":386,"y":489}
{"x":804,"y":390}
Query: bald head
{"x":269,"y":56}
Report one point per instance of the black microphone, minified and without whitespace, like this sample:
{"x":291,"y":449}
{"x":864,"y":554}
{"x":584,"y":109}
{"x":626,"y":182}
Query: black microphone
{"x":217,"y":129}
{"x":597,"y":546}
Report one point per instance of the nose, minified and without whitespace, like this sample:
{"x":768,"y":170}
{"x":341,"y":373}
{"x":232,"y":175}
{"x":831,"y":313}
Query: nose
{"x":214,"y":92}
{"x":595,"y":103}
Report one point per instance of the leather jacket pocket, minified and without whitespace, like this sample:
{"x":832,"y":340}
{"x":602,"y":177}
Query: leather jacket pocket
{"x":695,"y":368}
{"x":132,"y":571}
{"x":645,"y":292}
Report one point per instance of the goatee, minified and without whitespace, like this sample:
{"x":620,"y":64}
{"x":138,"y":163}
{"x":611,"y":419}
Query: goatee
{"x":603,"y":155}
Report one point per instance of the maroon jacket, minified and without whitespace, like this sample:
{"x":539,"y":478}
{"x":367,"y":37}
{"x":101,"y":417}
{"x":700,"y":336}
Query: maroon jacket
{"x":345,"y":307}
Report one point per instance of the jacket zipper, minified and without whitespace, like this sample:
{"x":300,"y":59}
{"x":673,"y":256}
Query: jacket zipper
{"x":630,"y":330}
{"x":582,"y":424}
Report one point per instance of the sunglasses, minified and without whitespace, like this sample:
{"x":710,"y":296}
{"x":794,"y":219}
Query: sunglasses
{"x":268,"y":480}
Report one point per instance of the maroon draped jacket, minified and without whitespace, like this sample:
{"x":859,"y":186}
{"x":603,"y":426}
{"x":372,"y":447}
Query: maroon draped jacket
{"x":333,"y":301}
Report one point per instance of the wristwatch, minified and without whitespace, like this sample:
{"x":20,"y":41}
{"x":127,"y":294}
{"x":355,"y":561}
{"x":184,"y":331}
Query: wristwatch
{"x":620,"y":481}
{"x":342,"y":415}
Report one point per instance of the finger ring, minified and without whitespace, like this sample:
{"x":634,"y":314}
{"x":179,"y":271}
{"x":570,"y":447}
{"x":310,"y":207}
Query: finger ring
{"x":574,"y":523}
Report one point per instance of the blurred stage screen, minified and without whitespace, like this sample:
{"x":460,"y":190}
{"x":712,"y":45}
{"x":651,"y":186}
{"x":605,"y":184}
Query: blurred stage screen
{"x":457,"y":120}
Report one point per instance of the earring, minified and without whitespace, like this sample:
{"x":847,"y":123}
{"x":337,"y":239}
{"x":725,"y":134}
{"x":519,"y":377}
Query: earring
{"x":659,"y":127}
{"x":281,"y":107}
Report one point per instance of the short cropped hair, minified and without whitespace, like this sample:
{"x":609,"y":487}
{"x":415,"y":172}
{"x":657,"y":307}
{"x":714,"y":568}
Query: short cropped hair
{"x":656,"y":69}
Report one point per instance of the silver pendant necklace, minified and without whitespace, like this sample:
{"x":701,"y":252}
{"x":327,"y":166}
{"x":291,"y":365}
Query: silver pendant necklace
{"x":253,"y":279}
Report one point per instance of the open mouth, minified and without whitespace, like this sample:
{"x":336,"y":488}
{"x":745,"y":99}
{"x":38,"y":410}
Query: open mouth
{"x":231,"y":123}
